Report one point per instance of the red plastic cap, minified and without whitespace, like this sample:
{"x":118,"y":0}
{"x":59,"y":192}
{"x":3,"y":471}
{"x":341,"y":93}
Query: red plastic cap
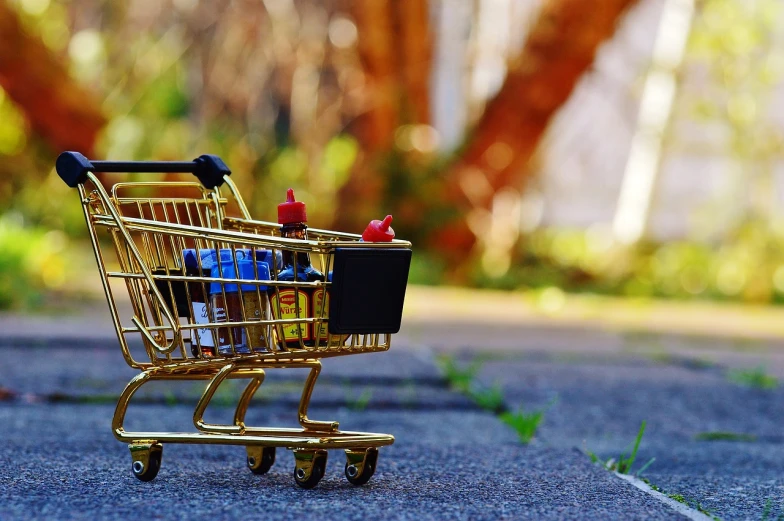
{"x":379,"y":231}
{"x":291,"y":211}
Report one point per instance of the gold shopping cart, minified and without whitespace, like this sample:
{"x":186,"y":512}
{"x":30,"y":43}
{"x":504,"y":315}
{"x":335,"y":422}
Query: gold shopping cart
{"x":202,"y":278}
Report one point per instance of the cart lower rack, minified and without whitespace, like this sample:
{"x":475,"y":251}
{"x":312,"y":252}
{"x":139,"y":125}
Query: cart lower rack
{"x":207,"y":304}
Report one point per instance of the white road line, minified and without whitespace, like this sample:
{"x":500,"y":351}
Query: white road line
{"x":682,"y":509}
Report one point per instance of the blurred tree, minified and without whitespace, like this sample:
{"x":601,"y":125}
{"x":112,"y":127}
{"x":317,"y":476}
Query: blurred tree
{"x":560,"y":48}
{"x":394,"y":44}
{"x":56,"y":107}
{"x":329,"y":97}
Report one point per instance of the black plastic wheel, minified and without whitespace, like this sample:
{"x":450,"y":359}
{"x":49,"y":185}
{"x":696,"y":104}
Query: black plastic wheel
{"x":266,"y":463}
{"x":368,"y":470}
{"x":319,"y":468}
{"x":149,"y":472}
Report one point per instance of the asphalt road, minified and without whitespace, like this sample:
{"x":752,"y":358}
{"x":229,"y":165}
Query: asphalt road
{"x":58,"y":459}
{"x":61,"y":462}
{"x":716,"y":443}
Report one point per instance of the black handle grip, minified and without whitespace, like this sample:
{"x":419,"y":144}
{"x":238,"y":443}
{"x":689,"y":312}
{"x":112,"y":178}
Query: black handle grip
{"x":72,"y":167}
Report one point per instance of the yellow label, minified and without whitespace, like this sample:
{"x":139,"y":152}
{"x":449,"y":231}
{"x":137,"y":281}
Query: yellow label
{"x":288,"y":311}
{"x":321,"y":297}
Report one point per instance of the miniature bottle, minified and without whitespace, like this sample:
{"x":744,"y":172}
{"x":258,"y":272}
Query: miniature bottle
{"x":257,"y":307}
{"x":226,"y":306}
{"x":225,"y":303}
{"x":290,"y":303}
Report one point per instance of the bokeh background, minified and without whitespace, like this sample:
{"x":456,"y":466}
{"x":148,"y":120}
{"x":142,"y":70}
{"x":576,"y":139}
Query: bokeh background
{"x":620,"y":147}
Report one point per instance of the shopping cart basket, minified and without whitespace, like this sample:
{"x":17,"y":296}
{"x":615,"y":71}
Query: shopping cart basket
{"x":200,"y":274}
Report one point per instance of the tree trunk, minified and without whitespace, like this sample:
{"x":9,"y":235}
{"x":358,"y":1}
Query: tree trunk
{"x":560,"y":48}
{"x":395,"y":49}
{"x":56,"y":107}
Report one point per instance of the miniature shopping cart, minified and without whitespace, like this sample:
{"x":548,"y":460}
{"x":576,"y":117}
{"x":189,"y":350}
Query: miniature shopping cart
{"x":180,"y":247}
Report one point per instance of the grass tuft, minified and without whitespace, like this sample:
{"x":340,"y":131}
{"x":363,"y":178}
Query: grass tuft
{"x":462,"y":379}
{"x":623,"y":465}
{"x":491,"y":399}
{"x":724,"y":436}
{"x":757,"y":378}
{"x":768,"y":511}
{"x":524,"y":424}
{"x":361,"y":402}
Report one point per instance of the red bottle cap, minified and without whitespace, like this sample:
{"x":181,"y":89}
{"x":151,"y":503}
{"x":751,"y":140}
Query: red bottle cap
{"x":291,"y":211}
{"x":379,"y":231}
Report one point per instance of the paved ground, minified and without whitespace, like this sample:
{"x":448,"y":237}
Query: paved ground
{"x":688,"y":405}
{"x":451,"y":459}
{"x":445,"y":465}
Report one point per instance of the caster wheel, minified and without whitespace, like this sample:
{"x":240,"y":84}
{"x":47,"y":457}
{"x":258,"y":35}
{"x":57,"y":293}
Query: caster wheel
{"x":360,"y":466}
{"x":260,"y":459}
{"x":310,"y":467}
{"x":146,"y":461}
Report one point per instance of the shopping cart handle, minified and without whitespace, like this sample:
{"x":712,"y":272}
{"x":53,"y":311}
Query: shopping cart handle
{"x":72,"y":167}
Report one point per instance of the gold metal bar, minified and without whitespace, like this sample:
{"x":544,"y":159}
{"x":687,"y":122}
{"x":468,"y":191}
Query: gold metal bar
{"x":247,"y":395}
{"x":209,"y":392}
{"x":237,"y":197}
{"x":104,"y":280}
{"x":148,"y":275}
{"x":304,"y":402}
{"x":268,"y":438}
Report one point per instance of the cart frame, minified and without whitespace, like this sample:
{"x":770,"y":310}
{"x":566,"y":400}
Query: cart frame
{"x":149,"y":249}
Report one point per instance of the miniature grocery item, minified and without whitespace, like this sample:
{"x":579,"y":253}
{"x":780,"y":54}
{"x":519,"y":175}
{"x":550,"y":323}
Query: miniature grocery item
{"x":290,"y":303}
{"x":159,"y":258}
{"x":257,"y":307}
{"x":226,"y":307}
{"x":379,"y":231}
{"x":202,"y":266}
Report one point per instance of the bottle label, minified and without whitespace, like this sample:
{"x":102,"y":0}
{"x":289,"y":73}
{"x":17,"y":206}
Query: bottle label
{"x":288,"y":310}
{"x":201,"y":316}
{"x":254,"y":310}
{"x":321,"y":297}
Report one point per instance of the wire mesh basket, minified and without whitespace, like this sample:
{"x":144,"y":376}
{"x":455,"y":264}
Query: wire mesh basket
{"x":207,"y":304}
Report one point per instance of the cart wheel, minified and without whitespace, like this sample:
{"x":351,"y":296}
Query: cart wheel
{"x":310,"y":467}
{"x":146,"y":460}
{"x":360,"y":465}
{"x":260,"y":459}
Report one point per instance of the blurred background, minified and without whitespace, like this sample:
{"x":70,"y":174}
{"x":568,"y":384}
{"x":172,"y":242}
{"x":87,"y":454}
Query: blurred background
{"x":630,"y":148}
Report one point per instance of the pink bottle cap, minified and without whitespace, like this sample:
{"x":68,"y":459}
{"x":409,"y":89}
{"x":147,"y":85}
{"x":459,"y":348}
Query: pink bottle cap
{"x":379,"y":231}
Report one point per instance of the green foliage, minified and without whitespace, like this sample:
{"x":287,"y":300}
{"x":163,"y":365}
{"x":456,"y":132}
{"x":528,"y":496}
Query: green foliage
{"x":767,"y":512}
{"x":463,"y":380}
{"x":724,"y":436}
{"x":31,"y":261}
{"x":748,"y":266}
{"x":623,"y":465}
{"x":681,"y":499}
{"x":490,"y":399}
{"x":426,"y":269}
{"x":677,"y":497}
{"x":757,"y":378}
{"x":361,"y":402}
{"x":316,"y":182}
{"x":648,"y":482}
{"x":524,"y":424}
{"x":12,"y":128}
{"x":459,"y":378}
{"x":170,"y":398}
